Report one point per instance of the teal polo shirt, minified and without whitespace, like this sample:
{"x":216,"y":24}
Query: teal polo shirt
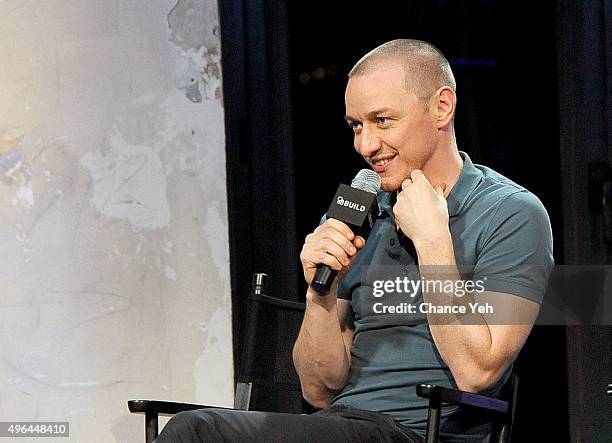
{"x":502,"y":233}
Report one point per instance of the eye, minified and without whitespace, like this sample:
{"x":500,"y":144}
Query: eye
{"x":382,"y":121}
{"x":354,"y":125}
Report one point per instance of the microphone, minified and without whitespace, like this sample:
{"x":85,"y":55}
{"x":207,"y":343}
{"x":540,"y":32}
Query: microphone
{"x":356,"y":206}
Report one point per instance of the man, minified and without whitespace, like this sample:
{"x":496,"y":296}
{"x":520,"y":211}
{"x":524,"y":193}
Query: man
{"x":358,"y":355}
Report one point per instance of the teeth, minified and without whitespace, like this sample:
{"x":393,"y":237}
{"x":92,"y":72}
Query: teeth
{"x":380,"y":162}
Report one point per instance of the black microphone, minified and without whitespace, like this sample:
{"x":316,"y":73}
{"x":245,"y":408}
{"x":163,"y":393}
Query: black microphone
{"x":356,"y":206}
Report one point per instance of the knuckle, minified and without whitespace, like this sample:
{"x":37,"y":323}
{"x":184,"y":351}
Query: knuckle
{"x":329,"y":243}
{"x":337,"y":225}
{"x":330,"y":222}
{"x":304,"y":254}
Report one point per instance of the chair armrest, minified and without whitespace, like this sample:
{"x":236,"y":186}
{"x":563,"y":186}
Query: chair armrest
{"x":457,"y":397}
{"x":153,"y":408}
{"x":284,"y":304}
{"x":163,"y":407}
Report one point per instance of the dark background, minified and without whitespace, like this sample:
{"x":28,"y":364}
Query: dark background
{"x":534,"y":94}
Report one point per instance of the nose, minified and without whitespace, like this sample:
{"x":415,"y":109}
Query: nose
{"x":367,"y":142}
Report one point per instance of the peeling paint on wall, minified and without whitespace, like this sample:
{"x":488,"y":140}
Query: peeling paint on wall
{"x":194,"y":34}
{"x":129,"y":183}
{"x":194,"y":23}
{"x":113,"y":200}
{"x":25,"y":196}
{"x":10,"y":153}
{"x":13,"y":173}
{"x":213,"y":223}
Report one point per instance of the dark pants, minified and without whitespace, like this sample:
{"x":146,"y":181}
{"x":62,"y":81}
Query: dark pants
{"x":335,"y":424}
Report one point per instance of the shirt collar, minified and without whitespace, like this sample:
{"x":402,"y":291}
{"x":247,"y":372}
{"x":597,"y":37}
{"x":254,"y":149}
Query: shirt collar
{"x":386,"y":201}
{"x":468,"y":180}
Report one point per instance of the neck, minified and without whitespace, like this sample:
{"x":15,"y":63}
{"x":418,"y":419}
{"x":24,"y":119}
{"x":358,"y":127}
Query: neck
{"x":445,"y":165}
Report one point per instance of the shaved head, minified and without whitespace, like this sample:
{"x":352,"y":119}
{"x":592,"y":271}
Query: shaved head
{"x":426,"y":68}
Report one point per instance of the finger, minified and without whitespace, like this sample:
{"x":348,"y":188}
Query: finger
{"x":416,"y":174}
{"x":329,"y":260}
{"x":396,"y":213}
{"x":339,"y":226}
{"x":329,"y":232}
{"x":330,"y":247}
{"x":406,"y":184}
{"x":341,"y":240}
{"x":440,"y":189}
{"x":359,"y":242}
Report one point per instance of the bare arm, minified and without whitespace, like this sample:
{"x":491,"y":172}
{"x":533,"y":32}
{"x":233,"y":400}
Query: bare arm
{"x":323,"y":348}
{"x":477,"y":347}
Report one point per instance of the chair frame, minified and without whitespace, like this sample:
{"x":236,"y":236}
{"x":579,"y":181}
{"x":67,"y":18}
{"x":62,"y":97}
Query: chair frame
{"x":152,"y":409}
{"x":439,"y":395}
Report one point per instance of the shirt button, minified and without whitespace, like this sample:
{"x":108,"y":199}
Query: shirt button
{"x":392,"y":242}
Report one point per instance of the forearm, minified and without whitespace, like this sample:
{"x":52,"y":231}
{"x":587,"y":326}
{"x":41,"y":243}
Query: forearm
{"x":464,"y":339}
{"x":477,"y":345}
{"x":320,"y":352}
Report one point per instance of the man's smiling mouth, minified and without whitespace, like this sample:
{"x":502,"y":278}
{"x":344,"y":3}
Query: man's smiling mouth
{"x":379,"y":163}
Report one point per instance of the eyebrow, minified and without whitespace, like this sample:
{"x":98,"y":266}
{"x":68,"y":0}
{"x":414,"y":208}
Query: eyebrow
{"x":370,"y":114}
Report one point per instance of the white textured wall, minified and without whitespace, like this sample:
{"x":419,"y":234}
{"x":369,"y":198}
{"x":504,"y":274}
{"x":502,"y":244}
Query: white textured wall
{"x":114,"y":266}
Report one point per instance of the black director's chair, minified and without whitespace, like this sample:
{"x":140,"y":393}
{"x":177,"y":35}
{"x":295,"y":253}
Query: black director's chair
{"x":264,"y":384}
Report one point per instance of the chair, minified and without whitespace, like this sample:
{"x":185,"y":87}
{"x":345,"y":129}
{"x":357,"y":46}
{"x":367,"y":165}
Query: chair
{"x":264,"y":384}
{"x":502,"y":410}
{"x":269,"y":384}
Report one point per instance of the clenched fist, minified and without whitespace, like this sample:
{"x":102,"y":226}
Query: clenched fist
{"x":421,"y":211}
{"x":332,"y":244}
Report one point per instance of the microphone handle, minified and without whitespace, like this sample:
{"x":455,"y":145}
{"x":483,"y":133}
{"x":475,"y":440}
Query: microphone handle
{"x":323,"y":279}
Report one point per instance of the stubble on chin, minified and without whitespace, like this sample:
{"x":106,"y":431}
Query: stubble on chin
{"x":390,"y":185}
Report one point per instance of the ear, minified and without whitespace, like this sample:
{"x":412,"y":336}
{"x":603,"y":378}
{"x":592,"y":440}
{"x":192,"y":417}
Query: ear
{"x":444,"y":106}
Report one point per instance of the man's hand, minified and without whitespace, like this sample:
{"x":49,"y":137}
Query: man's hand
{"x":322,"y":352}
{"x":332,"y":244}
{"x":421,"y":211}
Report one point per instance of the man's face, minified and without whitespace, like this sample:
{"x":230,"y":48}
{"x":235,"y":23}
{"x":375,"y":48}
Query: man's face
{"x":394,"y":132}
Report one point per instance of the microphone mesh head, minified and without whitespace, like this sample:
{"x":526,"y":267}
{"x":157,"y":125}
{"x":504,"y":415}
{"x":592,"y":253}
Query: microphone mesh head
{"x":367,"y":180}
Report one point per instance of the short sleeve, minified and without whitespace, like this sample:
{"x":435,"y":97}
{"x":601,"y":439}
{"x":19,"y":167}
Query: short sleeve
{"x":515,"y":255}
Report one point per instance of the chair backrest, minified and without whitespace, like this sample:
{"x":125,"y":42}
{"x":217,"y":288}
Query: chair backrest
{"x":509,"y":392}
{"x":267,"y":356}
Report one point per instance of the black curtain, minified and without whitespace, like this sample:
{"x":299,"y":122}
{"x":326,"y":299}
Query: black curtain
{"x":584,"y":41}
{"x":260,"y":174}
{"x":534,"y":103}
